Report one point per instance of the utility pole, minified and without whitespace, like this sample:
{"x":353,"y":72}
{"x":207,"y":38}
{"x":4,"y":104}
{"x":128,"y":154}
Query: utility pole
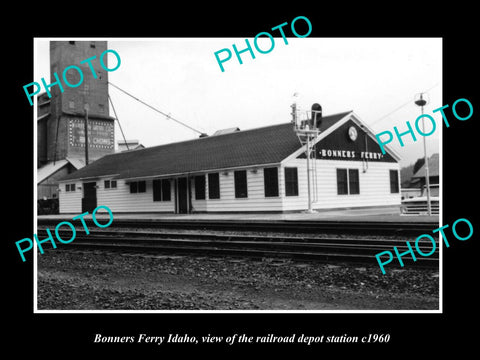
{"x":308,"y":175}
{"x":86,"y":134}
{"x":422,"y":102}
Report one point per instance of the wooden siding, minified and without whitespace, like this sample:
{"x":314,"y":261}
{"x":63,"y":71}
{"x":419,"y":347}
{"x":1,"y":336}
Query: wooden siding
{"x":121,"y":200}
{"x":374,"y":191}
{"x":71,"y":201}
{"x":374,"y":185}
{"x":118,"y":199}
{"x":256,"y":200}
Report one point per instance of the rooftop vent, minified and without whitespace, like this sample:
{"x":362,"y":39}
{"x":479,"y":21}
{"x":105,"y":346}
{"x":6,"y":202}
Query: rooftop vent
{"x":129,"y":145}
{"x":226,"y":131}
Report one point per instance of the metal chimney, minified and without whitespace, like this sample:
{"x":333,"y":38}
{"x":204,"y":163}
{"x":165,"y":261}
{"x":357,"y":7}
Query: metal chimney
{"x":316,"y":115}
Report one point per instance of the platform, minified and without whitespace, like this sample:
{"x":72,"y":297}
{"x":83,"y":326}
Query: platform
{"x":366,"y":215}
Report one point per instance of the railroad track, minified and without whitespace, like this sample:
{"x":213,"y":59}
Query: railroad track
{"x":305,"y":247}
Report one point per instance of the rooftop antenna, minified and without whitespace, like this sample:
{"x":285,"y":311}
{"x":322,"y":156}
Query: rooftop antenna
{"x":307,"y":131}
{"x":421,"y":100}
{"x":294,"y":108}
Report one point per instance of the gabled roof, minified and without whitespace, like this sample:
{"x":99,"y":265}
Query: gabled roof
{"x":76,"y":162}
{"x":52,"y":167}
{"x":433,"y":167}
{"x":261,"y":146}
{"x":48,"y":169}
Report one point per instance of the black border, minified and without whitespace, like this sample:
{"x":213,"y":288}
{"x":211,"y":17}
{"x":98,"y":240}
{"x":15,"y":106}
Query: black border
{"x":68,"y":334}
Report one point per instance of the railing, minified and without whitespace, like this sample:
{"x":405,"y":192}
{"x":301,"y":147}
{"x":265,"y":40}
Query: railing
{"x":420,"y":207}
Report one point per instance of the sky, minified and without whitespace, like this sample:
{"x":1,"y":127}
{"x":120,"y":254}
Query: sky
{"x":377,"y":78}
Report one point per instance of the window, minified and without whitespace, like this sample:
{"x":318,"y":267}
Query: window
{"x":394,"y":188}
{"x":133,"y":187}
{"x":213,"y":186}
{"x":166,"y":190}
{"x":157,"y":190}
{"x":240,"y":178}
{"x":291,"y":181}
{"x":67,"y":187}
{"x":342,"y":182}
{"x":353,"y":181}
{"x":72,"y":187}
{"x":348,"y":182}
{"x":138,"y":187}
{"x":200,"y":187}
{"x":92,"y":44}
{"x":270,"y":181}
{"x":110,"y":184}
{"x":71,"y":42}
{"x":161,"y":190}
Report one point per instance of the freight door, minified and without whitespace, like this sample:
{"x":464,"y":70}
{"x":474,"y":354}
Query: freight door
{"x":89,"y":200}
{"x":182,"y":196}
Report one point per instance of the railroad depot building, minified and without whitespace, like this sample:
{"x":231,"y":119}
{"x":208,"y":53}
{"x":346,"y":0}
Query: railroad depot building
{"x":257,"y":170}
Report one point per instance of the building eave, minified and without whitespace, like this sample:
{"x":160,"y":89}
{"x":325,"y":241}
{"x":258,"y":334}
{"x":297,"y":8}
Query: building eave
{"x":370,"y":133}
{"x":87,"y":178}
{"x":196,"y":172}
{"x":321,"y":136}
{"x":44,"y":116}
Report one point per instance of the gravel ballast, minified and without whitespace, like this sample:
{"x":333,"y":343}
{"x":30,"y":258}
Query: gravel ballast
{"x":101,"y":280}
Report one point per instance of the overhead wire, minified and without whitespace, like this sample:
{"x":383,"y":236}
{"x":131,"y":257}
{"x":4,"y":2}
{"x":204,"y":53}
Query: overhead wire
{"x":401,"y":106}
{"x":168,"y":116}
{"x":118,"y":120}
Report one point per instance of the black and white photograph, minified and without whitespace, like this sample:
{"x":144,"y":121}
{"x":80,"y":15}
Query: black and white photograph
{"x":279,"y":200}
{"x":224,"y":189}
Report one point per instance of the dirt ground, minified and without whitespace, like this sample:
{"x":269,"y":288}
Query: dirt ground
{"x":86,"y":280}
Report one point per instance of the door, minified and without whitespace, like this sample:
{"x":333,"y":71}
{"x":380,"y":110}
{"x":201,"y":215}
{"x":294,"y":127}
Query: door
{"x":182,"y":196}
{"x":89,"y":200}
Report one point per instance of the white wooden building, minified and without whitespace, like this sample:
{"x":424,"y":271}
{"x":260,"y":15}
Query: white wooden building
{"x":257,"y":170}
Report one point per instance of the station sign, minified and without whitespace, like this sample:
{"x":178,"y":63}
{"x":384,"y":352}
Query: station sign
{"x":350,"y":142}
